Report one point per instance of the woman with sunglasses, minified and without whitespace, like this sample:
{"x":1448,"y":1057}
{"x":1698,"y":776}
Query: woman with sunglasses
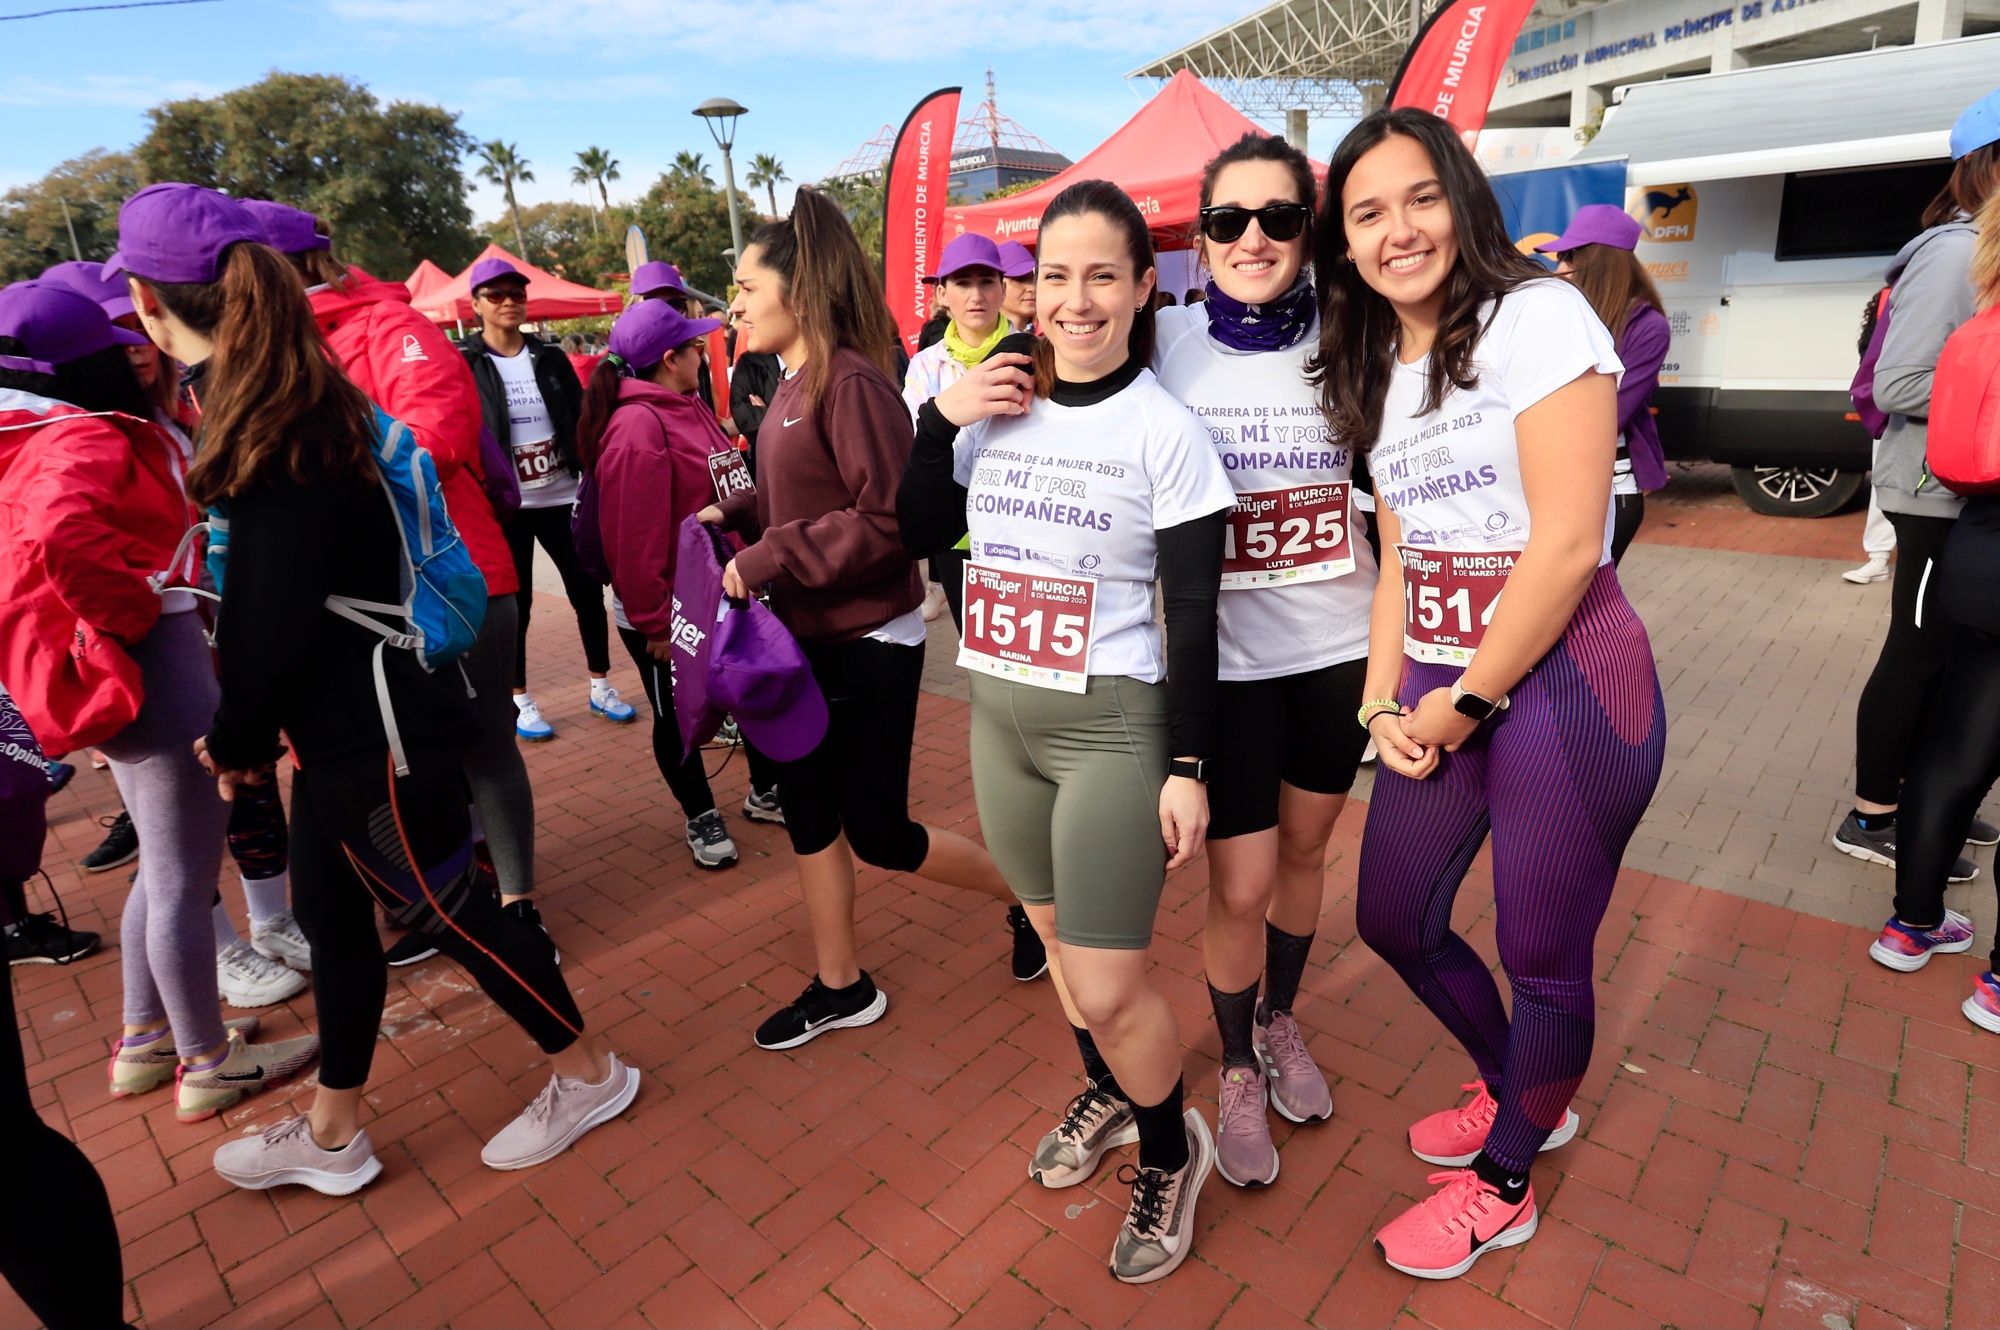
{"x":1297,"y":583}
{"x":1511,"y":688}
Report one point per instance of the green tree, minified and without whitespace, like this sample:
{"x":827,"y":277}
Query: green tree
{"x":387,"y":180}
{"x":767,"y":173}
{"x":33,"y":231}
{"x":690,"y":168}
{"x":864,"y":198}
{"x":596,"y":165}
{"x":566,"y":239}
{"x":687,"y":223}
{"x":503,"y":164}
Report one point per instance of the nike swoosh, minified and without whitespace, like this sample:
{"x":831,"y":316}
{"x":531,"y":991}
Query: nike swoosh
{"x":793,"y":421}
{"x":254,"y":1075}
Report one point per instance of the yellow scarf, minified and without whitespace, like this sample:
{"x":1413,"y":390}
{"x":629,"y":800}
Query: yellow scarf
{"x":964,"y":352}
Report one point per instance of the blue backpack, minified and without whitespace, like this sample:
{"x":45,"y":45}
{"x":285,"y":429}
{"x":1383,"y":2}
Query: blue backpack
{"x":444,"y":593}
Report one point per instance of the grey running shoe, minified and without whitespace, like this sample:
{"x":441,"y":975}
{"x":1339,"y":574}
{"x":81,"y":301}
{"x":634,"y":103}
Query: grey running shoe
{"x":708,"y":840}
{"x":285,"y":1152}
{"x":247,"y":1069}
{"x":1159,"y":1228}
{"x":565,"y":1109}
{"x":764,"y":806}
{"x":1095,"y":1122}
{"x":1879,"y":847}
{"x":1244,"y":1154}
{"x":1298,"y":1087}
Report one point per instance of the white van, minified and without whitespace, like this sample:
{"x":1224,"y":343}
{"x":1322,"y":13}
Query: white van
{"x":1773,"y":199}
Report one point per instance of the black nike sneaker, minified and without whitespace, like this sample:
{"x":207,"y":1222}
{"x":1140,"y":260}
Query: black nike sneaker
{"x":820,"y":1009}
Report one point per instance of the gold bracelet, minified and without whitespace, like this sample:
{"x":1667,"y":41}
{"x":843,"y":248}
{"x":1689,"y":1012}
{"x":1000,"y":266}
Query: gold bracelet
{"x":1374,"y":706}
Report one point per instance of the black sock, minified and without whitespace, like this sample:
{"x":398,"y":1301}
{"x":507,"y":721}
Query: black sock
{"x":1511,"y":1185}
{"x":1874,"y":821}
{"x":1094,"y":1065}
{"x":1284,"y":965}
{"x":1162,"y":1133}
{"x":1234,"y":1013}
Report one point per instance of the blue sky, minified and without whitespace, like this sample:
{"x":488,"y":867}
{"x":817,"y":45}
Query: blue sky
{"x":555,"y":76}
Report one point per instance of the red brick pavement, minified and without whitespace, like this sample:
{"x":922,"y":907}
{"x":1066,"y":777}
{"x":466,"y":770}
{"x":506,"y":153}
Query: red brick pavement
{"x":1775,"y":1131}
{"x":1700,"y":509}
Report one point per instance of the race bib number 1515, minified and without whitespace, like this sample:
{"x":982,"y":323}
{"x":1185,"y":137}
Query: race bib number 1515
{"x":1033,"y":628}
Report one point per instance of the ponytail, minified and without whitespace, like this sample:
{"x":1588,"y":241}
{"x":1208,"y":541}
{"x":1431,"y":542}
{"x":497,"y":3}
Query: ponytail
{"x":273,"y":404}
{"x":600,"y":399}
{"x":832,"y":289}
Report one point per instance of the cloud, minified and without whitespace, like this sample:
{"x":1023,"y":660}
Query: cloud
{"x":122,"y":91}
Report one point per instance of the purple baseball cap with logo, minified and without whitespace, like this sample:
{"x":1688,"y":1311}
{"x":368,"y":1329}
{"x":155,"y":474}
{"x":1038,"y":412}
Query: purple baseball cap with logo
{"x":179,"y":233}
{"x":652,"y":328}
{"x":652,"y":278}
{"x":1596,"y":224}
{"x":286,"y":229}
{"x":968,"y":251}
{"x":55,"y":325}
{"x":113,"y":295}
{"x":493,"y":270}
{"x":1016,"y":259}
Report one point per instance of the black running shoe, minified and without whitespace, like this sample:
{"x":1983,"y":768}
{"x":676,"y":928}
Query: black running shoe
{"x":820,"y":1009}
{"x":120,"y":845}
{"x":410,"y":948}
{"x":1031,"y":958}
{"x":60,"y":774}
{"x":1982,"y":833}
{"x":524,"y":910}
{"x":40,"y":940}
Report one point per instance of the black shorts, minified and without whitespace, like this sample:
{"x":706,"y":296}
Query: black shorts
{"x":1298,"y":730}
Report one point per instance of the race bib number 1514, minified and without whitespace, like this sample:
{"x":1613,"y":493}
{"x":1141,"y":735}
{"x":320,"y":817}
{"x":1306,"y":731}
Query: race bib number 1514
{"x":1448,"y":600}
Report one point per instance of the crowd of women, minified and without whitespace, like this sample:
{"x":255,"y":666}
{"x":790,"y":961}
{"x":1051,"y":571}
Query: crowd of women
{"x":1376,"y":484}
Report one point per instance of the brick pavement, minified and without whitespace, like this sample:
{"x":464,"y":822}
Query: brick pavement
{"x":1776,"y":1132}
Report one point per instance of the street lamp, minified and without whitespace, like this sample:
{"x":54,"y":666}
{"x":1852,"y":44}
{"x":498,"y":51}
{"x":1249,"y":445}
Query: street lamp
{"x":721,"y":114}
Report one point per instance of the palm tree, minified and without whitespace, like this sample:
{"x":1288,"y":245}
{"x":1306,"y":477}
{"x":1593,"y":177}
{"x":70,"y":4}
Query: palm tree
{"x":594,"y":164}
{"x":689,"y":167}
{"x":767,"y":172}
{"x":503,"y":164}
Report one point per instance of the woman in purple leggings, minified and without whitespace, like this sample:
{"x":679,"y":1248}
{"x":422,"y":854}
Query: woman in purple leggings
{"x":1511,"y":689}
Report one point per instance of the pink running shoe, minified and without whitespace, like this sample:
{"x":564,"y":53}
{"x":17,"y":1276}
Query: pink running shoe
{"x":1983,"y":1007}
{"x":1440,"y":1237}
{"x":1455,"y":1137}
{"x":1244,"y":1153}
{"x":1901,"y":947}
{"x":1298,"y":1088}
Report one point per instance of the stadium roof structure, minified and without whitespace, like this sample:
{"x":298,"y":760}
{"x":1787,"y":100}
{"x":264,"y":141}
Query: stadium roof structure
{"x":1327,"y":57}
{"x":983,"y":129}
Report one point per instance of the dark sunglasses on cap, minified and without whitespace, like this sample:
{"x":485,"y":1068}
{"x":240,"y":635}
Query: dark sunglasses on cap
{"x":1226,"y":223}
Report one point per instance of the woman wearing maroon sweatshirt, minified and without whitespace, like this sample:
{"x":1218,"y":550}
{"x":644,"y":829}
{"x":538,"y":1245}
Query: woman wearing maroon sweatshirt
{"x":824,"y":539}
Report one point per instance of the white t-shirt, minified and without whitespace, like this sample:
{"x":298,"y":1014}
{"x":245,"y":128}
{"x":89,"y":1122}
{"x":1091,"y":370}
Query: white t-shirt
{"x":531,"y":435}
{"x":1453,"y":476}
{"x":1268,"y":432}
{"x":1080,"y":490}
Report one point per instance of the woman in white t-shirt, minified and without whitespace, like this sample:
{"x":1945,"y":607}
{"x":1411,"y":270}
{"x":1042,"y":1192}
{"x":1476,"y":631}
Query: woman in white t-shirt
{"x":1484,"y":393}
{"x":1081,"y":489}
{"x":1297,"y":582}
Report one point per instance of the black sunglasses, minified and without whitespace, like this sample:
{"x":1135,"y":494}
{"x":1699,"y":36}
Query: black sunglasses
{"x":1226,"y":223}
{"x":503,"y":295}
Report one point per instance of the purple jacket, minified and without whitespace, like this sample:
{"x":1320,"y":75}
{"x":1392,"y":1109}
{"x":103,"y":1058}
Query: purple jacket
{"x":1642,"y":349}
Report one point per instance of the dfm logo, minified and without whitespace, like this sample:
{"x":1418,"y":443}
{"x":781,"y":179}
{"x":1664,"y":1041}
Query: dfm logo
{"x":1667,"y":212}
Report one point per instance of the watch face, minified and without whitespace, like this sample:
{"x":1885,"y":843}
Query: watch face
{"x":1476,"y":707}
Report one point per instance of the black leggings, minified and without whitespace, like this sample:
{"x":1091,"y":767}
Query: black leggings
{"x":1628,"y":511}
{"x":1888,"y":720}
{"x":685,"y":775}
{"x":58,"y":1242}
{"x":1954,"y":767}
{"x":858,"y":779}
{"x":550,"y":527}
{"x":353,"y":838}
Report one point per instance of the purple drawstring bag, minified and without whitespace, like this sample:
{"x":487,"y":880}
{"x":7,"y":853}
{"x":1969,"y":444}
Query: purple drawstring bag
{"x":503,"y":487}
{"x":24,"y":796}
{"x":1862,"y":391}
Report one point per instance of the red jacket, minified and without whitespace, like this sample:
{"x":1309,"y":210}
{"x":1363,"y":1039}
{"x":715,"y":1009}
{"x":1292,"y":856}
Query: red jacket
{"x":411,"y":370}
{"x":90,"y":507}
{"x":652,"y":471}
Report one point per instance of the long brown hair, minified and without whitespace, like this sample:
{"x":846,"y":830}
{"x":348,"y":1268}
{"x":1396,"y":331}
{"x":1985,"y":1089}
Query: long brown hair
{"x":1358,"y":329}
{"x":830,"y":286}
{"x":272,"y":403}
{"x":1974,"y":179}
{"x":1113,"y":204}
{"x":1986,"y":255}
{"x":1613,"y":281}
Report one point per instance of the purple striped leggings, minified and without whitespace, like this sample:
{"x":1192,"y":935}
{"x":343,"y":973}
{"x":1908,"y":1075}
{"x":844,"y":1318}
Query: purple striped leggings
{"x":1559,"y":780}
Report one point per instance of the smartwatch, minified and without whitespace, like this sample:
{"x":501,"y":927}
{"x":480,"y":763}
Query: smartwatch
{"x":1473,"y":705}
{"x":1193,"y":769}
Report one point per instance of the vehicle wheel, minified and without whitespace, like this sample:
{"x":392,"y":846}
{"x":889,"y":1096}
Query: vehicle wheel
{"x":1796,"y":491}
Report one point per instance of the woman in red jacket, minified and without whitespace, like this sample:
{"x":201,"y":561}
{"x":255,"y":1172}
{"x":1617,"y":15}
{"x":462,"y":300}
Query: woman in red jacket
{"x":408,"y":368}
{"x":655,"y":455}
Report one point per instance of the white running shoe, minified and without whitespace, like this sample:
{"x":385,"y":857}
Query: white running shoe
{"x":1875,"y":570}
{"x":246,"y":979}
{"x":279,"y":939}
{"x":564,"y":1110}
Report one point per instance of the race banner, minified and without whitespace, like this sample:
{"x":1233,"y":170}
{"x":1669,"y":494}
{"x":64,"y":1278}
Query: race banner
{"x":913,"y":199}
{"x":1453,"y":66}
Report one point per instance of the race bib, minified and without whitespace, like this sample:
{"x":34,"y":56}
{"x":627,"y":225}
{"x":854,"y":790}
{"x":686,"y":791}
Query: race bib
{"x":1033,"y":628}
{"x":1280,"y":537}
{"x":535,"y":463}
{"x":730,"y":473}
{"x":1448,"y":599}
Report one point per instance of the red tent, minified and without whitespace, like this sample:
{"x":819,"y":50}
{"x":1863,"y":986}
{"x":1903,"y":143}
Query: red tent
{"x":549,"y":296}
{"x":1156,"y":156}
{"x":427,"y":280}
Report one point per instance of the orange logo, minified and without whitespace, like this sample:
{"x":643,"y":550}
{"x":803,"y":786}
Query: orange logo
{"x":1667,"y":212}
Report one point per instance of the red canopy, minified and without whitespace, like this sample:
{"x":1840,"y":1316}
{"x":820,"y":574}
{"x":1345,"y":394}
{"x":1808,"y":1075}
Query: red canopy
{"x":427,"y":280}
{"x":1156,"y":157}
{"x":549,"y":296}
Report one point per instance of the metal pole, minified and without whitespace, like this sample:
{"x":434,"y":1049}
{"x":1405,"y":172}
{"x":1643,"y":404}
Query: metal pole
{"x":74,"y":248}
{"x":729,"y":184}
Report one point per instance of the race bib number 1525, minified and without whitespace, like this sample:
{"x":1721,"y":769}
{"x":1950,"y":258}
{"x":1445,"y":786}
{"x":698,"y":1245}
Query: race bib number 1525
{"x":1281,"y":537}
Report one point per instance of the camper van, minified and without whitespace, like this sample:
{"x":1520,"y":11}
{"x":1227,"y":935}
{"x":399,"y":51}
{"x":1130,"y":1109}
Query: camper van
{"x":1772,"y":201}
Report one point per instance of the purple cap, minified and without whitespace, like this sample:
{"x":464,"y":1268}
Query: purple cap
{"x":651,"y":278}
{"x":1979,"y":126}
{"x":1016,"y":259}
{"x":968,"y":251}
{"x":113,"y":295}
{"x":493,"y":270}
{"x":55,"y":325}
{"x":652,"y":328}
{"x":288,"y":230}
{"x":179,"y":233}
{"x":1597,"y":224}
